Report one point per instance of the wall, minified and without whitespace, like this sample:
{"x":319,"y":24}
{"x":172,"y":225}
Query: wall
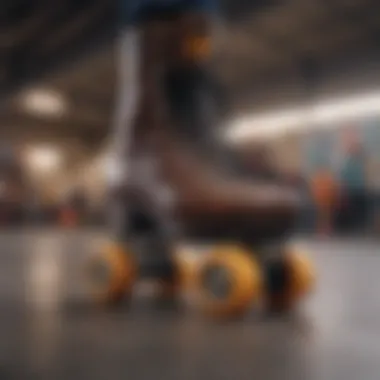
{"x":308,"y":151}
{"x":350,"y":77}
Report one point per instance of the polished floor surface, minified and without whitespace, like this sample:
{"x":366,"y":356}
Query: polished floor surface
{"x":49,"y":331}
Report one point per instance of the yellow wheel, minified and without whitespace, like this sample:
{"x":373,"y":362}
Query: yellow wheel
{"x":111,"y":274}
{"x":229,"y":280}
{"x":295,"y":277}
{"x":302,"y":274}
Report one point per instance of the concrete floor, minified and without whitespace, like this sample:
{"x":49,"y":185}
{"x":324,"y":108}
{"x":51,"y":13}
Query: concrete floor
{"x":48,"y":331}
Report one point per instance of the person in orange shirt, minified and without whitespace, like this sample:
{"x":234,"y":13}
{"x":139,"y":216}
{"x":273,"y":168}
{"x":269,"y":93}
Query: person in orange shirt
{"x":324,"y":189}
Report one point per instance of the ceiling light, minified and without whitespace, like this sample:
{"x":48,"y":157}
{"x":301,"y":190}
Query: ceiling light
{"x":326,"y":113}
{"x":44,"y":160}
{"x":44,"y":102}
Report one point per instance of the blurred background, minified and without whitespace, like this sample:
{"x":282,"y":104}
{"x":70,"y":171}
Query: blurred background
{"x":301,"y":78}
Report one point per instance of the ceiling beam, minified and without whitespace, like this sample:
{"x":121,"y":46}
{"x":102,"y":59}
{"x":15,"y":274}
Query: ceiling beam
{"x":98,"y":104}
{"x":21,"y":32}
{"x":362,"y":16}
{"x":58,"y":129}
{"x":81,"y":21}
{"x":302,"y":61}
{"x":238,"y":10}
{"x":36,"y":71}
{"x":82,"y":115}
{"x":256,"y":91}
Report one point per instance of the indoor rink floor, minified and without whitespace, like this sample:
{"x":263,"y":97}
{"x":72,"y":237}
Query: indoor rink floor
{"x":49,"y":331}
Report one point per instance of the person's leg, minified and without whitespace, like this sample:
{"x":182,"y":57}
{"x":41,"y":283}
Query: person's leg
{"x":346,"y":212}
{"x":358,"y":207}
{"x":306,"y":223}
{"x":363,"y":212}
{"x":376,"y":213}
{"x":358,"y":210}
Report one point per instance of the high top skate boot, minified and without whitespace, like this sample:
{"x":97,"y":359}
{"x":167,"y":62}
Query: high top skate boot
{"x":174,"y":187}
{"x":181,"y":140}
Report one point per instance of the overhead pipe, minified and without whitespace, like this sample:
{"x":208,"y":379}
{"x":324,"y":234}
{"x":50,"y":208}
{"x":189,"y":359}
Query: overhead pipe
{"x":20,"y":33}
{"x":84,"y":20}
{"x":57,"y":62}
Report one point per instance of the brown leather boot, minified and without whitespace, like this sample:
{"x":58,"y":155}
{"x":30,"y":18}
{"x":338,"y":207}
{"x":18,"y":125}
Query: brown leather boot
{"x":201,"y":195}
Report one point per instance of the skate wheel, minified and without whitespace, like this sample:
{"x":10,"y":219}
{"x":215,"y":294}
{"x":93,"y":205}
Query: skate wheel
{"x":229,"y":280}
{"x":302,"y":274}
{"x":295,"y":278}
{"x":111,"y":274}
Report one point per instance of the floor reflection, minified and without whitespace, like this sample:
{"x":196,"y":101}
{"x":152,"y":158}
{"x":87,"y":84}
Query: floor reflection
{"x":45,"y":337}
{"x":45,"y":268}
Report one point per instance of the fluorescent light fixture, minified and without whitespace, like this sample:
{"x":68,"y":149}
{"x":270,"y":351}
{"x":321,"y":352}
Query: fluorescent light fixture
{"x":44,"y":102}
{"x":266,"y":125}
{"x":322,"y":114}
{"x":44,"y":159}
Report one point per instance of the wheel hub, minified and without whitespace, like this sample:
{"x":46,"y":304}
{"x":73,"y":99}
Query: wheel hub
{"x":100,"y":272}
{"x":217,"y":281}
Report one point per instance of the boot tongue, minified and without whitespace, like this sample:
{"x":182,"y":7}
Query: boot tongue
{"x":193,"y":107}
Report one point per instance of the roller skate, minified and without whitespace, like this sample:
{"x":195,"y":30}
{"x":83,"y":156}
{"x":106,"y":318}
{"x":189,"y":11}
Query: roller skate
{"x":179,"y":190}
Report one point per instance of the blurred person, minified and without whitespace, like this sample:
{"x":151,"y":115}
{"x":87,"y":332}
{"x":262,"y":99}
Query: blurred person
{"x":324,"y":189}
{"x":307,"y":216}
{"x":375,"y":203}
{"x":373,"y":199}
{"x":353,"y":183}
{"x":14,"y":186}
